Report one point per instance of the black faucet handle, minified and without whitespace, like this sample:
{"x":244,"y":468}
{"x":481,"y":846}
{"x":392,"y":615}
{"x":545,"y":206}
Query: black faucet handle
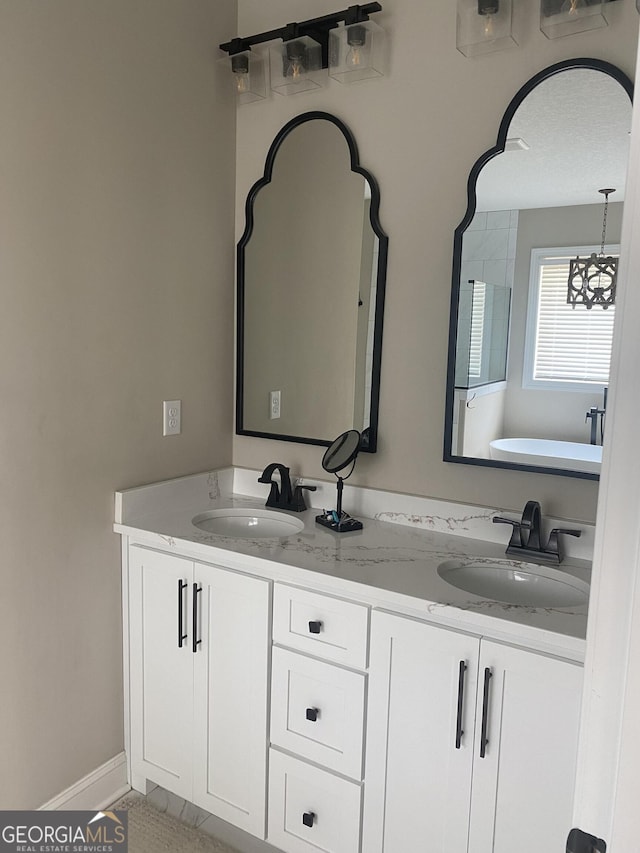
{"x":516,"y":533}
{"x":554,"y":545}
{"x":298,"y":503}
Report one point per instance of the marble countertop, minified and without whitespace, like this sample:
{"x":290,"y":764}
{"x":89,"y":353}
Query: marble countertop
{"x":392,"y":566}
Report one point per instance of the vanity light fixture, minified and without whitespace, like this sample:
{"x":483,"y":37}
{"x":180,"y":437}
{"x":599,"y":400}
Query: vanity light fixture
{"x":347,"y":43}
{"x":484,"y":26}
{"x":565,"y":17}
{"x":593,"y":280}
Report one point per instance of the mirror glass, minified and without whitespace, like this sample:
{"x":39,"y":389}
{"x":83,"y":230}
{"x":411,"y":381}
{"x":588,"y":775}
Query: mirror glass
{"x":311,"y":277}
{"x":528,"y":374}
{"x":343,"y":451}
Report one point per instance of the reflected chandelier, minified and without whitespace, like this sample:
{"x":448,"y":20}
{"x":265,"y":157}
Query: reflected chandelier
{"x":593,"y":280}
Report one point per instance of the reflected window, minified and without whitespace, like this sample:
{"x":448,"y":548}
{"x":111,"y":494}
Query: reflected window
{"x":477,"y":329}
{"x":565,"y":347}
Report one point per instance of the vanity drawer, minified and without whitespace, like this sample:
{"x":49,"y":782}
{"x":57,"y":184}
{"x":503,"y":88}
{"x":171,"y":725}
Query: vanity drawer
{"x":317,"y":711}
{"x":330,"y":628}
{"x":310,"y":809}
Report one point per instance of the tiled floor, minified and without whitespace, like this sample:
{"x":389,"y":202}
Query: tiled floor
{"x":163,"y":823}
{"x":197,"y":818}
{"x":175,"y":806}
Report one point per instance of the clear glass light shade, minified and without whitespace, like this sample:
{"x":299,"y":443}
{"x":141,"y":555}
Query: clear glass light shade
{"x":484,"y":26}
{"x":564,"y":17}
{"x":296,"y":66}
{"x":357,"y":52}
{"x":247,"y":76}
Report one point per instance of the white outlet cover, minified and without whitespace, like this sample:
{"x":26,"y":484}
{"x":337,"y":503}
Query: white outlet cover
{"x":274,"y":404}
{"x":171,"y":417}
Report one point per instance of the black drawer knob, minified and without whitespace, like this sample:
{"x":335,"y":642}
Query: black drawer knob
{"x":312,"y":714}
{"x":308,"y":818}
{"x":315,"y":627}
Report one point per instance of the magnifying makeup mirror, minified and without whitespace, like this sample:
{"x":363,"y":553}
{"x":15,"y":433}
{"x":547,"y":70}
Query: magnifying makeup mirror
{"x":338,"y":456}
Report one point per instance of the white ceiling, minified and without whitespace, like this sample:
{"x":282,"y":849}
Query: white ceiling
{"x":577,"y":126}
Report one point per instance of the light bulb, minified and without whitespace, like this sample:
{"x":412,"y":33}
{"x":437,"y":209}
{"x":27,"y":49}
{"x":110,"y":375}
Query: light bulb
{"x":295,"y":69}
{"x":240,"y":68}
{"x":295,"y":65}
{"x":242,"y":83}
{"x":358,"y":49}
{"x":572,"y":7}
{"x":488,"y":9}
{"x":353,"y":58}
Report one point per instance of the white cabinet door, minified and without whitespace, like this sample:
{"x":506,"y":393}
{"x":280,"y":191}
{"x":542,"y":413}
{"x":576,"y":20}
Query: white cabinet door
{"x":523,"y":786}
{"x":509,"y":785}
{"x":161,"y":670}
{"x":230,"y":696}
{"x":420,"y":736}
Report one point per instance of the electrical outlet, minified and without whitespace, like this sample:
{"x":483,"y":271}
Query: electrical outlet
{"x":171,"y":417}
{"x":274,"y":404}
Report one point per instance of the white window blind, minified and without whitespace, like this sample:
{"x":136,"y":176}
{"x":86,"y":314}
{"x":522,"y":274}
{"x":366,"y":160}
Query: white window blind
{"x":565,"y":345}
{"x":477,"y":329}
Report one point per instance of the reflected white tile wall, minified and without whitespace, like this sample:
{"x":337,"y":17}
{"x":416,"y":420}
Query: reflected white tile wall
{"x":489,"y":247}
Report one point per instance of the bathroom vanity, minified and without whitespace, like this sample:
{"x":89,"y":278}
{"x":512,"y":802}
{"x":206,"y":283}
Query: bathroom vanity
{"x":335,"y":692}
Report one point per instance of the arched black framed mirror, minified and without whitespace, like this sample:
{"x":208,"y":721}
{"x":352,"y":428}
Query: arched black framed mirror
{"x":522,"y":378}
{"x":311,"y":268}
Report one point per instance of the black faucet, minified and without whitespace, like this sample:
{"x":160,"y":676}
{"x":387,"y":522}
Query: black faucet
{"x":526,"y":536}
{"x":594,"y":415}
{"x":283,"y":497}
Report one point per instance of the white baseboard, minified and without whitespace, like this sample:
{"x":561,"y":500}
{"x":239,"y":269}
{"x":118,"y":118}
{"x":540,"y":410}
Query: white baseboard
{"x":96,"y":790}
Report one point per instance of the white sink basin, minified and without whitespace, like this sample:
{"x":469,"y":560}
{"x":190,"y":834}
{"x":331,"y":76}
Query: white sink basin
{"x":511,"y":582}
{"x":248,"y":523}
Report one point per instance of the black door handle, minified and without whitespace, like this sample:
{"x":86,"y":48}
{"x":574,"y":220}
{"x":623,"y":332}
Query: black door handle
{"x":459,"y":730}
{"x":182,"y":585}
{"x":315,"y":627}
{"x":309,"y":818}
{"x":196,"y":589}
{"x":484,"y":740}
{"x":312,"y":714}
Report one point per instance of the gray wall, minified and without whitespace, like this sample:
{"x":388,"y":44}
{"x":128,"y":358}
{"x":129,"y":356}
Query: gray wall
{"x":116,"y":273}
{"x":419,"y":130}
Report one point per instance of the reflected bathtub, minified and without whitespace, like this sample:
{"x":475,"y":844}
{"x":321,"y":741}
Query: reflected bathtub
{"x":548,"y":453}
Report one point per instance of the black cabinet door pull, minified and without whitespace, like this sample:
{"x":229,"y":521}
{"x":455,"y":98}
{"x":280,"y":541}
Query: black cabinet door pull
{"x":312,"y":714}
{"x":182,"y":585}
{"x":196,"y":589}
{"x":309,"y":818}
{"x":459,"y":730}
{"x":484,"y":740}
{"x":315,"y":627}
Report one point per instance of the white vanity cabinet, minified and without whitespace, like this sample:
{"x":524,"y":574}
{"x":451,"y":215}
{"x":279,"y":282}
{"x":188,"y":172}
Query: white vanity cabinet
{"x":471,"y":744}
{"x":322,"y":723}
{"x":199,"y":646}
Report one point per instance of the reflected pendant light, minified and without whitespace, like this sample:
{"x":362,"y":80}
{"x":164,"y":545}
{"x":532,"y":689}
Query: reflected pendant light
{"x":593,"y":280}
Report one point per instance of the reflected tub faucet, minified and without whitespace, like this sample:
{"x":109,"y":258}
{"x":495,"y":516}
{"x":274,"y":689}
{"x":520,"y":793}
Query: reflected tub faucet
{"x":594,"y":415}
